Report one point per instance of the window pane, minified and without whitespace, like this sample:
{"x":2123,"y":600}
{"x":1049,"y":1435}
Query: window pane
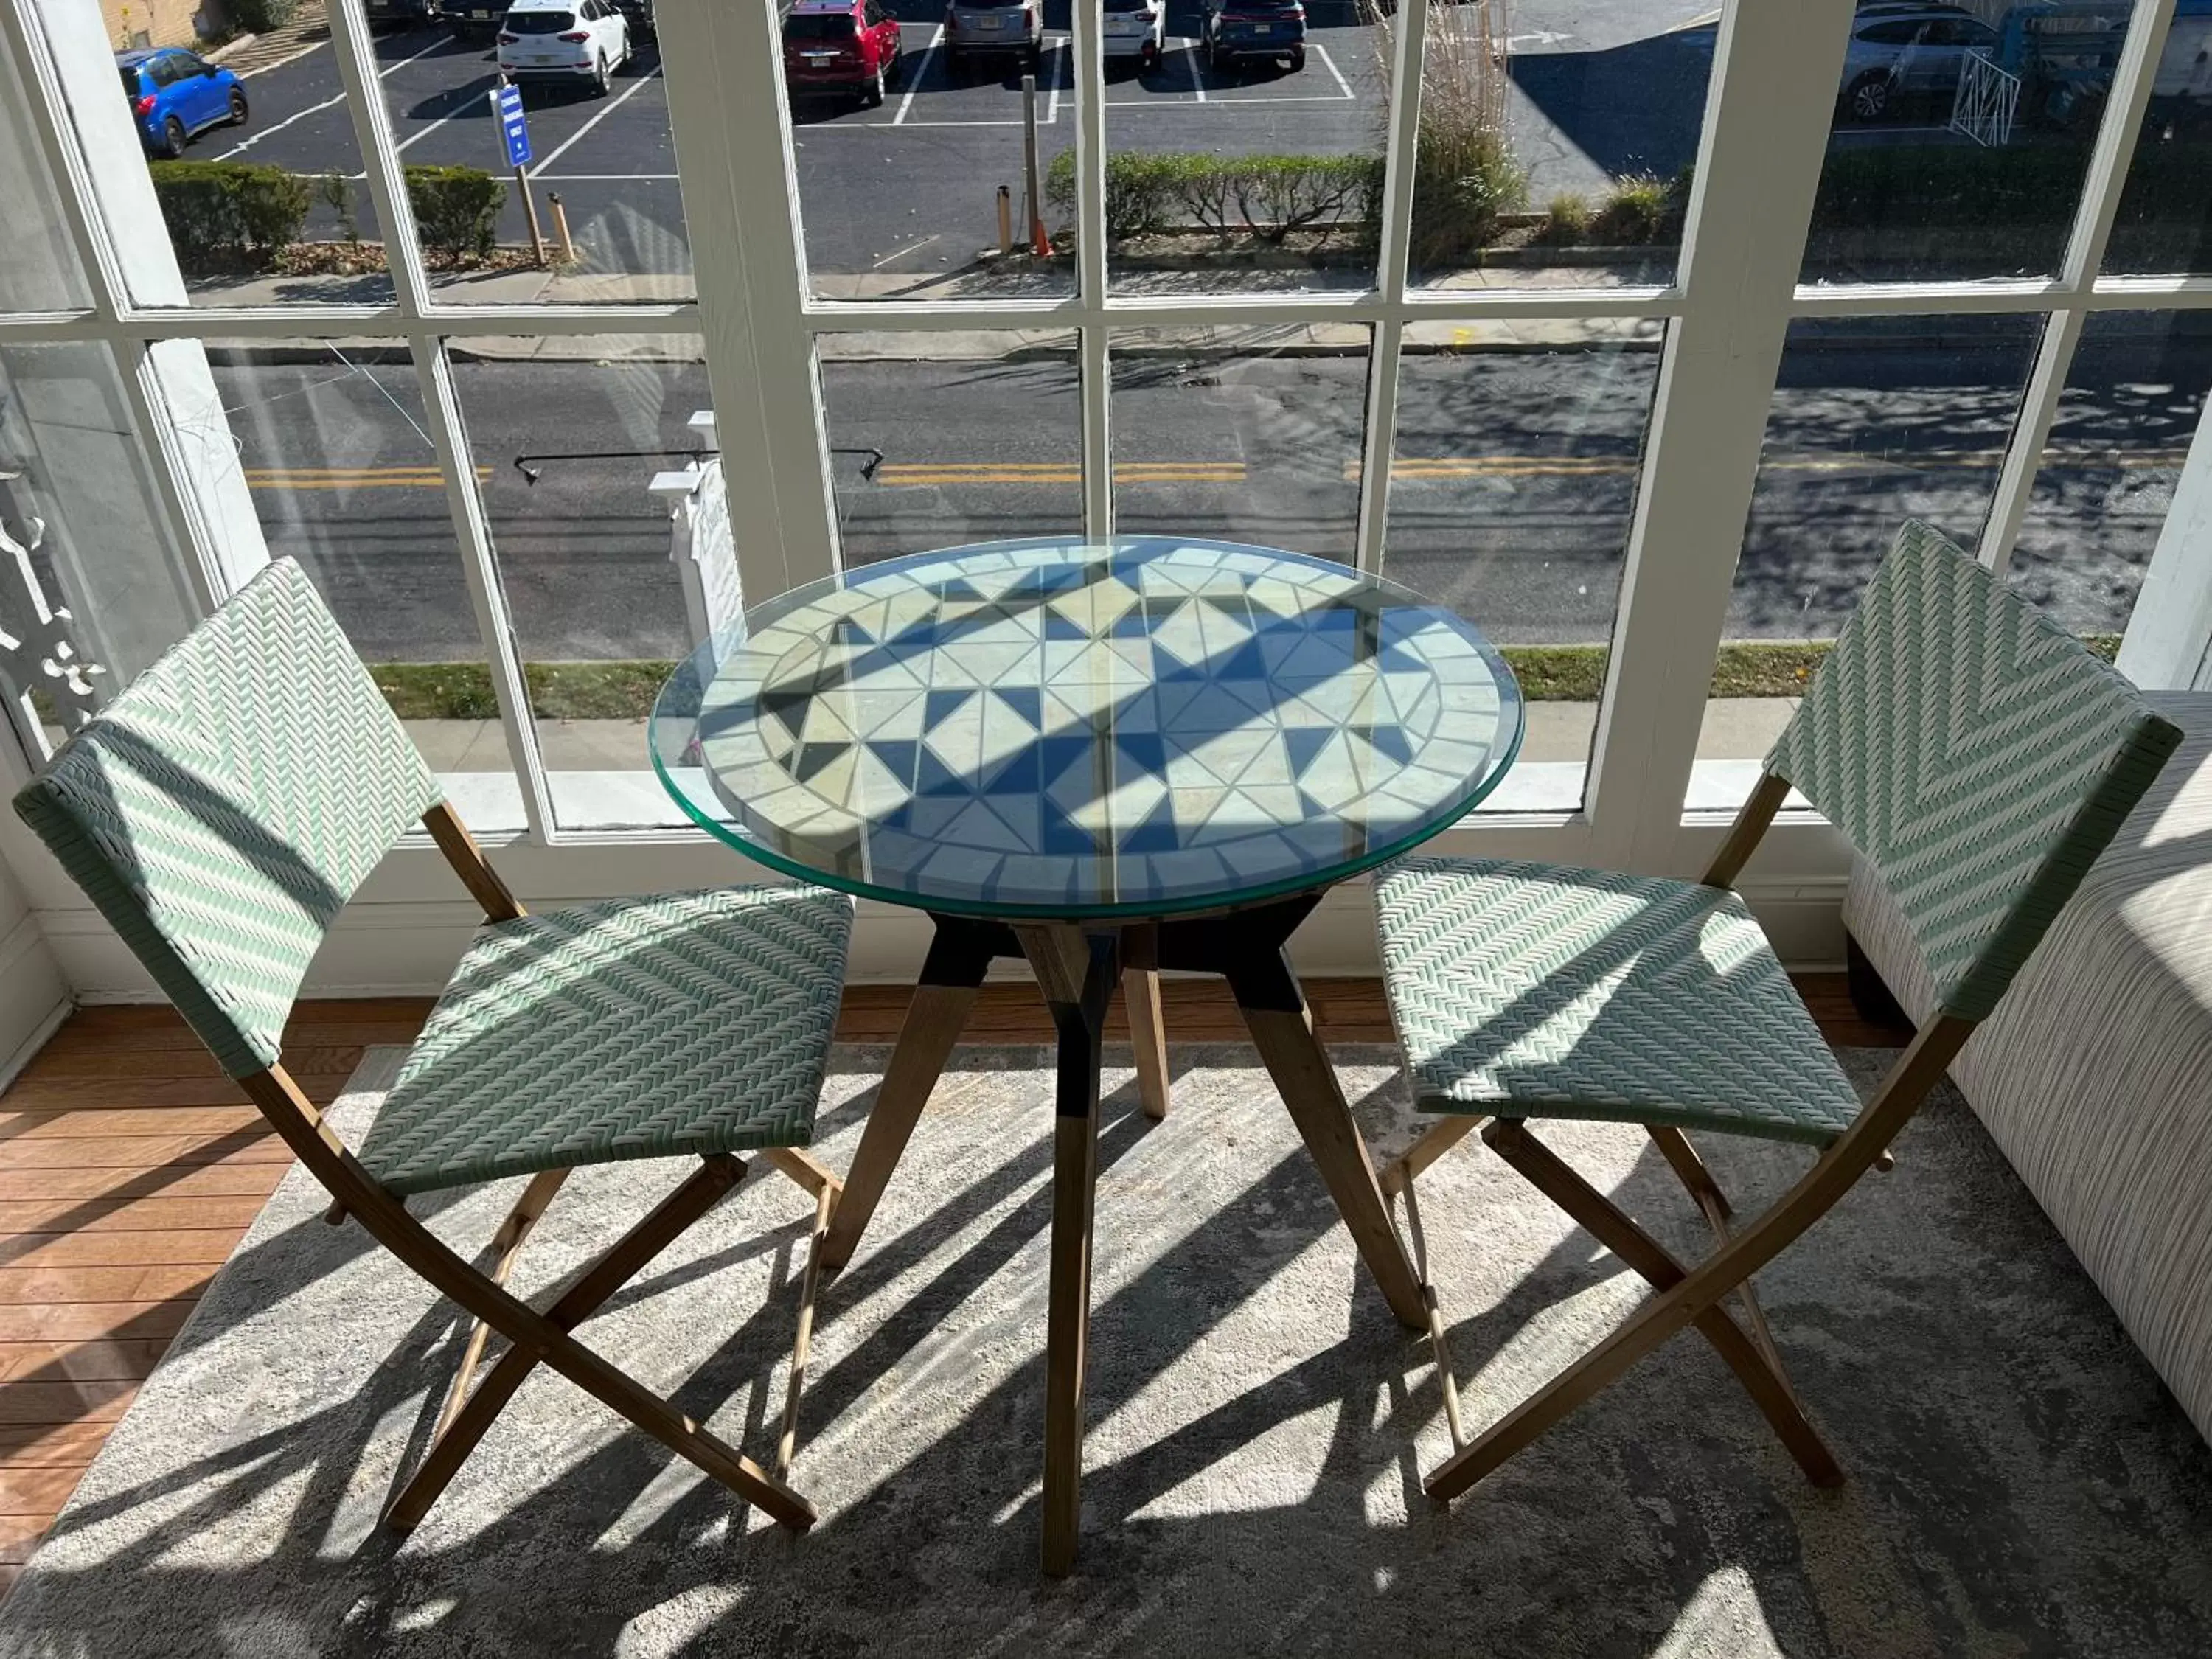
{"x":253,"y":169}
{"x":1559,"y":150}
{"x":899,"y":183}
{"x":2124,"y":421}
{"x":568,"y":434}
{"x":77,"y":496}
{"x":1243,"y":143}
{"x":2164,"y":218}
{"x":1510,"y":498}
{"x":39,"y":267}
{"x":1874,"y":421}
{"x":595,"y":110}
{"x":1217,"y":432}
{"x":936,"y":441}
{"x":345,"y":480}
{"x":1961,"y":138}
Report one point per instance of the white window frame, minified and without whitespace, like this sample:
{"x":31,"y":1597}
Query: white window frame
{"x":1726,"y":314}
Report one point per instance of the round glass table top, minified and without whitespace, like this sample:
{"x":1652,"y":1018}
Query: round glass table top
{"x":1057,"y":728}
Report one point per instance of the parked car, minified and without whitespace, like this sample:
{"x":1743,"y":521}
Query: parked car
{"x":563,"y":40}
{"x":638,"y":14}
{"x":842,"y":46}
{"x":974,"y":29}
{"x":175,"y":94}
{"x":1136,"y":28}
{"x":1253,"y":28}
{"x":473,"y":17}
{"x":411,"y":13}
{"x":1908,"y":53}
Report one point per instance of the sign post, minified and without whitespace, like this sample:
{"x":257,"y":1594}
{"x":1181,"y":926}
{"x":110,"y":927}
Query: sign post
{"x":514,"y":133}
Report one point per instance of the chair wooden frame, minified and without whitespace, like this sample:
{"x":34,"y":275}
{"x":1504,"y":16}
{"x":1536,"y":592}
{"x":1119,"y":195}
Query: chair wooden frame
{"x":1687,"y":1295}
{"x":545,"y":1336}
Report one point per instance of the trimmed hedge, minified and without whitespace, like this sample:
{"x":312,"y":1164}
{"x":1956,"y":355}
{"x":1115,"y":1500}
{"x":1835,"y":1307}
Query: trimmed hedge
{"x":260,"y":16}
{"x":229,"y":213}
{"x":456,"y":209}
{"x":1268,"y":196}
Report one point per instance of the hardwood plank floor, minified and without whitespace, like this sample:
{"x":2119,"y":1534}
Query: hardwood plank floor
{"x":130,"y":1166}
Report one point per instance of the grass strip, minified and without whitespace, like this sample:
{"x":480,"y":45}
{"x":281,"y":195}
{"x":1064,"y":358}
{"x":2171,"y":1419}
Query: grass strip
{"x":625,"y":690}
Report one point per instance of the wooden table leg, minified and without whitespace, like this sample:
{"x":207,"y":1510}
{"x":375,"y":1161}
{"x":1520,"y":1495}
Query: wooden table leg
{"x":1148,"y":1035}
{"x":950,"y":977}
{"x":1077,"y":977}
{"x":1275,"y":1011}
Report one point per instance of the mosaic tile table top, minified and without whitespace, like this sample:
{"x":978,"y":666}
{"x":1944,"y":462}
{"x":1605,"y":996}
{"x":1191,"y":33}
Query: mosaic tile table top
{"x":1060,"y":728}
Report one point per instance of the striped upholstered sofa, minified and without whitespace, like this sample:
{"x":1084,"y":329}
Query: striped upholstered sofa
{"x":2094,"y":1076}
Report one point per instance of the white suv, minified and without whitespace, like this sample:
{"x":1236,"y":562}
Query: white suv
{"x":565,"y":38}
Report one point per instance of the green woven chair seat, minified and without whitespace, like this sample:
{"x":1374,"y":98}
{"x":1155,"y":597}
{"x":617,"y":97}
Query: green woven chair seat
{"x":684,"y":1023}
{"x":1535,"y":990}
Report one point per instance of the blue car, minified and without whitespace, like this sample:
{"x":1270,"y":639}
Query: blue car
{"x":175,"y":94}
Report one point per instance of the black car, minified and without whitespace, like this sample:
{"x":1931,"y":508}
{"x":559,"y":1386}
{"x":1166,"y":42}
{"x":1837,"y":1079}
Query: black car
{"x":411,"y":13}
{"x":1253,"y":28}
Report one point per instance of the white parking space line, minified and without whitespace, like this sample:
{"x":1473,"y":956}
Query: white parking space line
{"x":1052,"y":101}
{"x":1321,"y":52}
{"x":1197,"y":85}
{"x":913,"y":80}
{"x":317,"y":109}
{"x":613,"y":104}
{"x":603,"y":178}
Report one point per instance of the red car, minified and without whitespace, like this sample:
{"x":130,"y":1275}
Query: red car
{"x":846,"y":45}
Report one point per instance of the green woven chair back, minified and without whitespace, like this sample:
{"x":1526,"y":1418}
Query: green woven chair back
{"x":223,"y":809}
{"x":1977,"y":755}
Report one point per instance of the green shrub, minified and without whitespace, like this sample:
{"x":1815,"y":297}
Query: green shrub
{"x":1465,"y":178}
{"x":260,"y":16}
{"x":1566,"y":218}
{"x":456,"y":209}
{"x":1269,"y":195}
{"x":222,"y":214}
{"x":1636,"y":211}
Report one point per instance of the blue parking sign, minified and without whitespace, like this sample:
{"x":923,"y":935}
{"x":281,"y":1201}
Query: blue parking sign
{"x":507,"y":102}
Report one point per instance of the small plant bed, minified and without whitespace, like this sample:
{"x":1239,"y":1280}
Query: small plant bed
{"x":364,"y":259}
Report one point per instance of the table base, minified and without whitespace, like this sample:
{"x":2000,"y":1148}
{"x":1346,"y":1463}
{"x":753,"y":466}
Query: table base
{"x":1078,"y":966}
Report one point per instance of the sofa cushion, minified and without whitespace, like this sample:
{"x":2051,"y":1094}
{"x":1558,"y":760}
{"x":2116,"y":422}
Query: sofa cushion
{"x":2094,"y":1074}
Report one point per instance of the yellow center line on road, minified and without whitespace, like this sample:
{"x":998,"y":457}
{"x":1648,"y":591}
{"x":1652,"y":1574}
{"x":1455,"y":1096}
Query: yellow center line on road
{"x":350,"y":477}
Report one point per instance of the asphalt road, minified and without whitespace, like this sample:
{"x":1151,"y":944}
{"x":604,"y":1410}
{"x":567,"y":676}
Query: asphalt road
{"x":1511,"y":497}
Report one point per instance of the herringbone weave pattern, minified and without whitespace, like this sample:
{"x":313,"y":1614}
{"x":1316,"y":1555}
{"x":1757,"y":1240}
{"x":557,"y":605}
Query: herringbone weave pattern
{"x":1979,"y":757}
{"x":223,"y":809}
{"x":689,"y":1023}
{"x":1536,"y":990}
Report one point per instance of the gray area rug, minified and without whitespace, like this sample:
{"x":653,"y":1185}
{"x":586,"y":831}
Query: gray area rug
{"x":2021,"y":1483}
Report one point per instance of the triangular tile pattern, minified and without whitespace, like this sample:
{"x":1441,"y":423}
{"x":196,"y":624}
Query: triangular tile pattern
{"x":1150,"y":722}
{"x":1978,"y":756}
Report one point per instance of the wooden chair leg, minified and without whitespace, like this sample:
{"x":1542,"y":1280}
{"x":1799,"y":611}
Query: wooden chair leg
{"x":932,"y":1025}
{"x":461,"y":1427}
{"x":1446,"y":1379}
{"x":825,"y":1201}
{"x":1756,"y":1367}
{"x":1440,"y":1137}
{"x":1705,"y":1192}
{"x":507,"y":1242}
{"x":317,"y":1145}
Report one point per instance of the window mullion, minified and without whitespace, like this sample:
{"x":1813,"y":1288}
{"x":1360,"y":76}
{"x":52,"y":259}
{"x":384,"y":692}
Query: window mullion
{"x":2132,"y":80}
{"x":723,"y":64}
{"x":354,"y":48}
{"x":480,"y":569}
{"x":1776,"y":70}
{"x":1091,"y":271}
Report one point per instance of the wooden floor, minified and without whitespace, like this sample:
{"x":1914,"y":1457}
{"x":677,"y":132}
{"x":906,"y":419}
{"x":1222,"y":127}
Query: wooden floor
{"x":130,"y":1166}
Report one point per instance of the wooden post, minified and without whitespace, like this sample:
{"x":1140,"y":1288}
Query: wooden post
{"x":560,"y":229}
{"x":1006,"y":220}
{"x":530,"y":210}
{"x":1039,"y":244}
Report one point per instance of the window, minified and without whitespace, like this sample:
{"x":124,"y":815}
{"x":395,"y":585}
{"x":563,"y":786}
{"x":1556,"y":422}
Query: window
{"x":1633,"y":337}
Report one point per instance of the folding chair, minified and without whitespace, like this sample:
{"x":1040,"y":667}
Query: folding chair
{"x":1979,"y":759}
{"x":221,"y":811}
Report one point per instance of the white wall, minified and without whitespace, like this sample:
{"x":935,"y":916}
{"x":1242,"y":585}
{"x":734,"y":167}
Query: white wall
{"x":34,"y":995}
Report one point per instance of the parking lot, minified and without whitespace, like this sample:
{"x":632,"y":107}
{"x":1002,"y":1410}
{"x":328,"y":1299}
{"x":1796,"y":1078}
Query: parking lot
{"x":907,"y":191}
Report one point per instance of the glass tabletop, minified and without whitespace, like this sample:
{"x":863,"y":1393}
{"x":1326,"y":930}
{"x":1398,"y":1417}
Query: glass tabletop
{"x":1057,"y":728}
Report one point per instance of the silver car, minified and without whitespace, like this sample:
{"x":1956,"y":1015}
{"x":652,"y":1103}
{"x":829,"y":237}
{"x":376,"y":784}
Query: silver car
{"x":975,"y":28}
{"x":1907,"y":53}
